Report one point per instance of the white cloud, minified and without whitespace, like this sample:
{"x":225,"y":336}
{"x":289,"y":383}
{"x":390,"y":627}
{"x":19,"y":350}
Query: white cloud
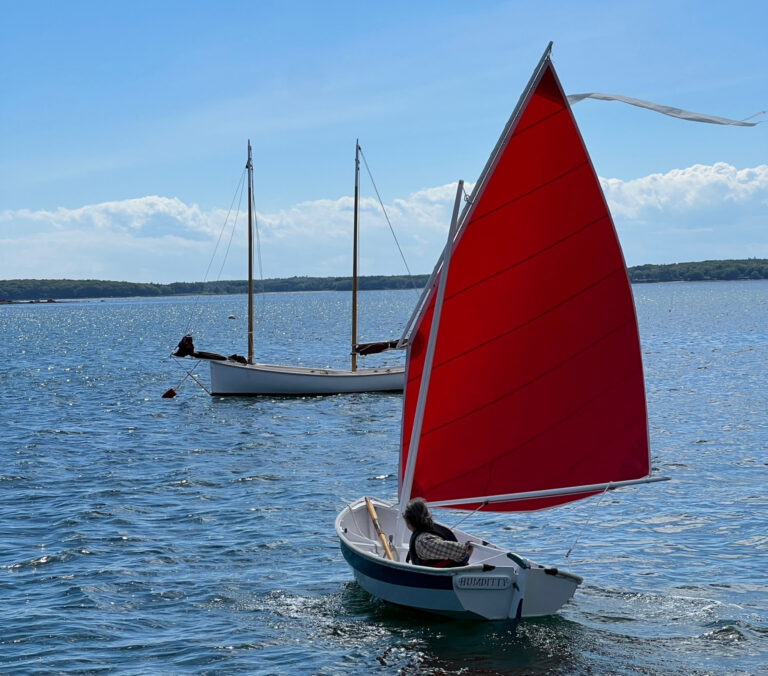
{"x":695,"y":188}
{"x":700,"y":212}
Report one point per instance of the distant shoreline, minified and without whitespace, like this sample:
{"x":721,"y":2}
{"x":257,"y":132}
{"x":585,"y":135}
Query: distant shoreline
{"x":16,"y":291}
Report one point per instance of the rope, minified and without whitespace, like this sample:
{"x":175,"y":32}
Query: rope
{"x":391,"y":229}
{"x":258,"y":254}
{"x":189,"y":374}
{"x":472,"y":513}
{"x":239,"y":194}
{"x":589,"y":518}
{"x":239,"y":197}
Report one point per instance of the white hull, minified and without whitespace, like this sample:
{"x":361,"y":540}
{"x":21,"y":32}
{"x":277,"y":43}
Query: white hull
{"x":496,"y":585}
{"x":232,"y":378}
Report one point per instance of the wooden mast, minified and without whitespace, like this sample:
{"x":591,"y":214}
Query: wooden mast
{"x":354,"y":258}
{"x":249,"y":167}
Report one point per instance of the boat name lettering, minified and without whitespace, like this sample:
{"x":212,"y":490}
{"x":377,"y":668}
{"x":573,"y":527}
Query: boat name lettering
{"x":482,"y":582}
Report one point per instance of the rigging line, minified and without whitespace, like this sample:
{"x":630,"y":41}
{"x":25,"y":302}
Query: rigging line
{"x":207,"y":391}
{"x":239,"y":195}
{"x":189,"y":374}
{"x":589,"y":518}
{"x":472,"y":513}
{"x":761,"y":112}
{"x":386,"y":216}
{"x":258,"y":243}
{"x":238,"y":190}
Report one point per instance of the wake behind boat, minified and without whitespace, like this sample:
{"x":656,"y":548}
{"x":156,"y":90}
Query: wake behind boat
{"x":236,"y":375}
{"x":524,"y":379}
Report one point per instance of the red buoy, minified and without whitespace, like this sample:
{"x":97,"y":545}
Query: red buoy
{"x":170,"y":394}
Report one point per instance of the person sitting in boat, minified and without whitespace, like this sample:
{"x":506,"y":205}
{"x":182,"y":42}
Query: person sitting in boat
{"x":432,"y":544}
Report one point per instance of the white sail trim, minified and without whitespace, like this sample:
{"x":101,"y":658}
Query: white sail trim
{"x":665,"y":110}
{"x":550,"y":493}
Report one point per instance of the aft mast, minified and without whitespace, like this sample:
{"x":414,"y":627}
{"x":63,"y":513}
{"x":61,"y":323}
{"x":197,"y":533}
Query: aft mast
{"x":353,"y":353}
{"x":249,"y":167}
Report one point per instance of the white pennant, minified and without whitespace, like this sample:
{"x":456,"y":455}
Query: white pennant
{"x":666,"y":110}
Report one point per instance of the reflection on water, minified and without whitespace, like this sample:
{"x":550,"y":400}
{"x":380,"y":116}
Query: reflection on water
{"x":195,"y":535}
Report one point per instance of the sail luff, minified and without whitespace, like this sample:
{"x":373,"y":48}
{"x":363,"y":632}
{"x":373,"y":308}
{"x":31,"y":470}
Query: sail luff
{"x":407,"y":480}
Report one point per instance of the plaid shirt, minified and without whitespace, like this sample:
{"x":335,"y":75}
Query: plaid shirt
{"x":430,"y":547}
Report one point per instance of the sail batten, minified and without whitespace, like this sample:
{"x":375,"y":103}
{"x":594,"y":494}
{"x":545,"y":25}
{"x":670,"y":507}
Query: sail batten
{"x":536,"y":380}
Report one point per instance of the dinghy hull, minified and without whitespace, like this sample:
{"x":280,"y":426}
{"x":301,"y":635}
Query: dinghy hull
{"x":496,"y":585}
{"x":232,"y":378}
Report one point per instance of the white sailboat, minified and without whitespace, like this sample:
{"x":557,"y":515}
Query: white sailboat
{"x":524,"y":381}
{"x":245,"y":377}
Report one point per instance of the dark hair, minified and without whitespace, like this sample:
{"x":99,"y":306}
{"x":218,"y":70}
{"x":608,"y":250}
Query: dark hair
{"x":417,"y":514}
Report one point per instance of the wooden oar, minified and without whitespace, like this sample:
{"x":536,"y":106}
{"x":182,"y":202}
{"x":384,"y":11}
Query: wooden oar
{"x":377,"y":528}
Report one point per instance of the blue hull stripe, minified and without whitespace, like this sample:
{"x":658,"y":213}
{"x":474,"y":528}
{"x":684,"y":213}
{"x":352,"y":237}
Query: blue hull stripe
{"x":396,"y":576}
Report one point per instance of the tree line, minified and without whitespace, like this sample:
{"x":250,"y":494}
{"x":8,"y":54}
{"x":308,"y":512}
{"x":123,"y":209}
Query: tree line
{"x":74,"y":289}
{"x":13,"y":290}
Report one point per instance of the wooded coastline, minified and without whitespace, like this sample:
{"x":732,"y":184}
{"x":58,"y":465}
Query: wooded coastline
{"x":46,"y":290}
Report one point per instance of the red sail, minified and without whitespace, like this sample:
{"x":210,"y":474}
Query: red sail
{"x":537,"y":379}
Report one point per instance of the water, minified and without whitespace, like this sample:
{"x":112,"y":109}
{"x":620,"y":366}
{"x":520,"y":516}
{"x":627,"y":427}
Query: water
{"x":194,"y":535}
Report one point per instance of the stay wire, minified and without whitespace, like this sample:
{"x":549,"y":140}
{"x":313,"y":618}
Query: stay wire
{"x":192,"y":315}
{"x":472,"y":513}
{"x":238,"y":195}
{"x":589,"y":518}
{"x":258,"y":249}
{"x":386,"y":216}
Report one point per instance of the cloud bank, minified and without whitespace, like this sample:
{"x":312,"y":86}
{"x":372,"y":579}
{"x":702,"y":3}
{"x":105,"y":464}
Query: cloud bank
{"x":698,"y":213}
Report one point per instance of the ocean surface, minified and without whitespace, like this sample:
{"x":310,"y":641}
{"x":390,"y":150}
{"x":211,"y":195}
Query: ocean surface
{"x":141,"y":535}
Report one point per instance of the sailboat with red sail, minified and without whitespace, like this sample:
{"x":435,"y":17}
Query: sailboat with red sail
{"x":524,"y":379}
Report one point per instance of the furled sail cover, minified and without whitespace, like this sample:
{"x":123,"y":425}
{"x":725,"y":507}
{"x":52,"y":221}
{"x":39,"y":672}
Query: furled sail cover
{"x":537,"y":380}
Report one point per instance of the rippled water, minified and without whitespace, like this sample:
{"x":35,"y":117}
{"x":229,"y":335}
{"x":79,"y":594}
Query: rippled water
{"x":142,"y":535}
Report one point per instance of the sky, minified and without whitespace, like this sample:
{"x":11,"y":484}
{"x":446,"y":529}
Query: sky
{"x":123,"y":128}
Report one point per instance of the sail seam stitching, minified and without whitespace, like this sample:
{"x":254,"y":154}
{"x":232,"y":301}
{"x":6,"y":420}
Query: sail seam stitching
{"x":530,"y":192}
{"x":532,"y":380}
{"x":557,"y":423}
{"x":540,"y":251}
{"x":532,"y":319}
{"x":529,"y":321}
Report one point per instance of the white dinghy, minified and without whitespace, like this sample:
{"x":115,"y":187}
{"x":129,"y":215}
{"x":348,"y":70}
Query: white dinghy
{"x":524,"y":381}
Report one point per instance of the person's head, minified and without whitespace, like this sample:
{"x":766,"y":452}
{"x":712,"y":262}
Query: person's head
{"x":417,"y":515}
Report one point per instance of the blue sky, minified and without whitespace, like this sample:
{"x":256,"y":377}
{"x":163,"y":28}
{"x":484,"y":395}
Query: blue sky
{"x":123,"y":127}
